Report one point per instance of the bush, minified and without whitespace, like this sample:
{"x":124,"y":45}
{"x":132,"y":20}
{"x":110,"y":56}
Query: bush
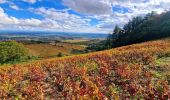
{"x":12,"y":51}
{"x":76,"y":51}
{"x":60,"y":54}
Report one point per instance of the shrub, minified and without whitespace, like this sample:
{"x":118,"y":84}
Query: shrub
{"x":12,"y":51}
{"x":60,"y":54}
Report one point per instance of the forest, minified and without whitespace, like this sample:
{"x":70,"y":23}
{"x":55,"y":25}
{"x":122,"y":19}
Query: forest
{"x":140,"y":29}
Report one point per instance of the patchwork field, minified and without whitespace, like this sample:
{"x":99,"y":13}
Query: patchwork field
{"x":139,"y":71}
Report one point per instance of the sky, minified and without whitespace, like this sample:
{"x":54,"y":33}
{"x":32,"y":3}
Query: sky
{"x":81,"y":16}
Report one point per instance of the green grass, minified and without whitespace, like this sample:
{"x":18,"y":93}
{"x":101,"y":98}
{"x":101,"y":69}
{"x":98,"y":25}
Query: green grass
{"x":162,"y":70}
{"x":163,"y":61}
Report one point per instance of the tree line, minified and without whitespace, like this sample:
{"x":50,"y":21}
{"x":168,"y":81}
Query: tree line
{"x":140,"y":29}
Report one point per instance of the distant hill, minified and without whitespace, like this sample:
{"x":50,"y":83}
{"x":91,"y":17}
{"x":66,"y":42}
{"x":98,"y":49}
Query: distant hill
{"x":47,"y":36}
{"x":139,"y":71}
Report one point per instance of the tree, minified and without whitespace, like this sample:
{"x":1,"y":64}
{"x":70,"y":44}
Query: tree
{"x":116,"y":30}
{"x":112,"y":37}
{"x":139,"y":29}
{"x":12,"y":51}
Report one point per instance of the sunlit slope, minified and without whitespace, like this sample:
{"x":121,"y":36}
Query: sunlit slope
{"x":48,"y":50}
{"x":135,"y":72}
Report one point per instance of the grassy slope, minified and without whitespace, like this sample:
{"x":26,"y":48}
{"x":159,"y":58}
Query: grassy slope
{"x":135,"y":71}
{"x":48,"y":50}
{"x":84,"y":42}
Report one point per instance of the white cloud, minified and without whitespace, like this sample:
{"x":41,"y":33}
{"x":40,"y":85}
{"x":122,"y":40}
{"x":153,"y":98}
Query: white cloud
{"x":11,"y":4}
{"x":15,"y":7}
{"x":138,"y":7}
{"x":101,"y":10}
{"x":91,"y":7}
{"x":65,"y":20}
{"x":54,"y":20}
{"x":10,"y":22}
{"x":2,"y":1}
{"x":30,"y":1}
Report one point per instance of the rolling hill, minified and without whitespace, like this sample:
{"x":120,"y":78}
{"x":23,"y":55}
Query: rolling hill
{"x":139,"y":71}
{"x":47,"y":50}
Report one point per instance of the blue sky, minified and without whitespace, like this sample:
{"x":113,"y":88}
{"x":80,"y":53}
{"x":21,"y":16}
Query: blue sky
{"x":92,"y":16}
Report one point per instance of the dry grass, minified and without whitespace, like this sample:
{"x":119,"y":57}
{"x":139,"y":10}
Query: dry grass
{"x":49,"y":50}
{"x":76,"y":40}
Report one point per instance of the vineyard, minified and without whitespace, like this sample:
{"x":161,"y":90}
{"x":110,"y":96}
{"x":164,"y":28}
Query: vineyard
{"x":130,"y":72}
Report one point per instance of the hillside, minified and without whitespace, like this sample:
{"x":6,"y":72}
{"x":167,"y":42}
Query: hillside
{"x":47,"y":50}
{"x":139,"y":71}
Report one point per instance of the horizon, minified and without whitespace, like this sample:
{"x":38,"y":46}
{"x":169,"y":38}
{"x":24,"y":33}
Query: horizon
{"x":73,"y":16}
{"x":41,"y":31}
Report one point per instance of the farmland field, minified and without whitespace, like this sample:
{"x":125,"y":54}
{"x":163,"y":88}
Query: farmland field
{"x":46,"y":50}
{"x":139,"y":71}
{"x":85,"y":42}
{"x":76,"y":40}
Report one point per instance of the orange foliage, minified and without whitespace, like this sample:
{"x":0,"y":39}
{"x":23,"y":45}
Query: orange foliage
{"x":120,"y":73}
